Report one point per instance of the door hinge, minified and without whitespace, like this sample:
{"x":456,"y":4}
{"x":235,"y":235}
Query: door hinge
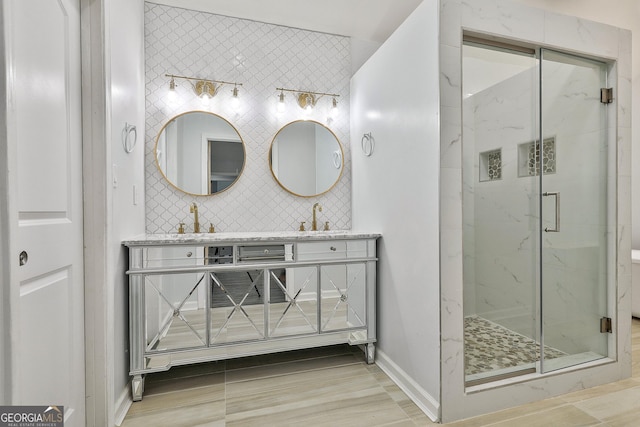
{"x":605,"y":325}
{"x":606,"y":95}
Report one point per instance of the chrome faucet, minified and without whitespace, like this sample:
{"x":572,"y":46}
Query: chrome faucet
{"x":194,"y":210}
{"x":314,"y":223}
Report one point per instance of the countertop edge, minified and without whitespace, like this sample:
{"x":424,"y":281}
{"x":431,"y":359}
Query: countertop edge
{"x":245,"y":237}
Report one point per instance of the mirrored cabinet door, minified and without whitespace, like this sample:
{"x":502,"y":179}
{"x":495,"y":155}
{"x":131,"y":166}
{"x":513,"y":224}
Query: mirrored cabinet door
{"x":175,"y":315}
{"x":237,"y":306}
{"x":343,"y":293}
{"x":293,"y":301}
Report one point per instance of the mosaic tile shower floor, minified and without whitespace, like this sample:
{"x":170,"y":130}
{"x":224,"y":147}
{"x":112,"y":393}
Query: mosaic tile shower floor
{"x":491,"y":347}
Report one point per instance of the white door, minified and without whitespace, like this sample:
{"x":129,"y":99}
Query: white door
{"x":44,"y":200}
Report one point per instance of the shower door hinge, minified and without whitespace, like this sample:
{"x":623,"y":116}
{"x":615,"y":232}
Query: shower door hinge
{"x":606,"y":95}
{"x":605,"y":325}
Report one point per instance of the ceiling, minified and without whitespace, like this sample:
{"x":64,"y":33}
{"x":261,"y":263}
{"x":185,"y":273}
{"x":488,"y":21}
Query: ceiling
{"x":371,"y":20}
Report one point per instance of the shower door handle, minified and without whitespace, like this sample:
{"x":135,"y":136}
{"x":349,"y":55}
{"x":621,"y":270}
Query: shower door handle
{"x":555,"y":194}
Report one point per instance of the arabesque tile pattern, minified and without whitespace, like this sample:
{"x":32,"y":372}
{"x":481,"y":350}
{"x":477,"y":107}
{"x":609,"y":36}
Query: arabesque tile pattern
{"x":261,"y":57}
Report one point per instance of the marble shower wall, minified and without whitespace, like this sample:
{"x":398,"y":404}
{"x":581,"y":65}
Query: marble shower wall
{"x":499,"y":234}
{"x":505,"y":219}
{"x":261,"y":57}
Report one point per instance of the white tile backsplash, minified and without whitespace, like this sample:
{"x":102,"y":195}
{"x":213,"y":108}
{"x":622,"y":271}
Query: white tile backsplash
{"x":261,"y":57}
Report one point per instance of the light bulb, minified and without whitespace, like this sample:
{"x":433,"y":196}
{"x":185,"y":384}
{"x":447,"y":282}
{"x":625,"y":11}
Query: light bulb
{"x":205,"y":89}
{"x":281,"y":102}
{"x":308,"y":109}
{"x":235,"y":101}
{"x":172,"y":96}
{"x":309,"y":103}
{"x":334,"y":108}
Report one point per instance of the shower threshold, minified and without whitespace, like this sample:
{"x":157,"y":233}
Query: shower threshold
{"x":498,"y":375}
{"x":570,"y":360}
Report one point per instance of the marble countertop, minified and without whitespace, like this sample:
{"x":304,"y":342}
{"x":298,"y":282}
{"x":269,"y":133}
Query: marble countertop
{"x":250,"y":236}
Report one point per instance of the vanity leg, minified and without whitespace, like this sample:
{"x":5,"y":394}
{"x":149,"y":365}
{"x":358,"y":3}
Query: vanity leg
{"x":137,"y":387}
{"x":370,"y":352}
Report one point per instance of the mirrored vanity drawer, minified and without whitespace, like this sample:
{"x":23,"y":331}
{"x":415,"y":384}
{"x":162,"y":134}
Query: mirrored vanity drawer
{"x":262,"y":253}
{"x":321,"y":250}
{"x":173,"y":256}
{"x":219,"y":255}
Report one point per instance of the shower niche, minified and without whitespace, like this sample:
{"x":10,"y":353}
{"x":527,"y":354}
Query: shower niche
{"x":531,"y":157}
{"x":491,"y":165}
{"x":539,"y":243}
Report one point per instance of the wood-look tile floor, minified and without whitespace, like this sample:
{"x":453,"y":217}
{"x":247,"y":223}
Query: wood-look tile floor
{"x":334,"y":386}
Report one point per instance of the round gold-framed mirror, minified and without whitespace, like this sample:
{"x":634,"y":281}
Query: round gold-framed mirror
{"x":306,"y":158}
{"x":200,"y":153}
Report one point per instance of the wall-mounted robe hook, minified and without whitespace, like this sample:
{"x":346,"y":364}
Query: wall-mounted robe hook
{"x":129,"y":142}
{"x":368,"y":144}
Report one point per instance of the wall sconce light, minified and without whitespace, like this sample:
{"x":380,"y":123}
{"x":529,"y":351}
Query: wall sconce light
{"x":281,"y":105}
{"x":205,"y":89}
{"x":306,"y":99}
{"x":334,"y":107}
{"x":235,"y":101}
{"x":172,"y":95}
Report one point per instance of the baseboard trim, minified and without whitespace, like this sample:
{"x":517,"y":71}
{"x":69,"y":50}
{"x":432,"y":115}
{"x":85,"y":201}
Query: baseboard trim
{"x":123,"y":404}
{"x":417,"y":394}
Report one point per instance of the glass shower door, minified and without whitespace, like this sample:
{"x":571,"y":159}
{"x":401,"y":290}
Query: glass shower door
{"x":500,"y":211}
{"x":576,"y":217}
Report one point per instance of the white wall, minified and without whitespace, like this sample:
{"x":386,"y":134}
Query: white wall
{"x":361,"y":50}
{"x":113,"y":94}
{"x":395,"y":191}
{"x":624,"y":14}
{"x":125,"y":50}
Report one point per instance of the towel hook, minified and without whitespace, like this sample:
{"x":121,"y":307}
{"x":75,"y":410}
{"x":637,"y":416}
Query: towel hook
{"x":127,"y":142}
{"x":367,"y":143}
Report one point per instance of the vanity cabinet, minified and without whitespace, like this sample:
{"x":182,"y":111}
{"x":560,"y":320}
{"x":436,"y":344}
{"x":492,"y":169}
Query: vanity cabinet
{"x":197,"y":298}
